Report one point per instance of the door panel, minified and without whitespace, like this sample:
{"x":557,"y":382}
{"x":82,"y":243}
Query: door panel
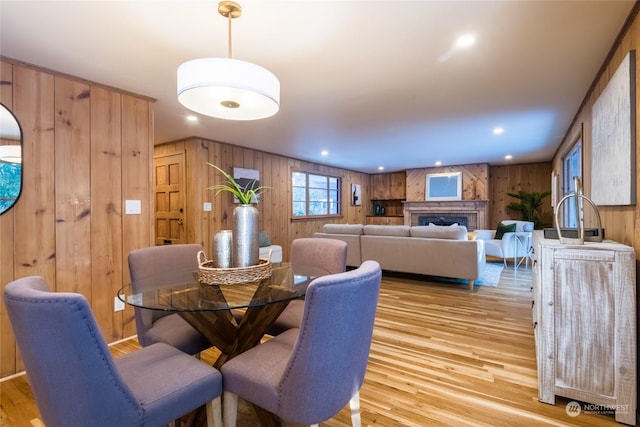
{"x":169,"y":182}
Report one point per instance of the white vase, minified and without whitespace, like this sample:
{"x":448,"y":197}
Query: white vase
{"x":246,"y":245}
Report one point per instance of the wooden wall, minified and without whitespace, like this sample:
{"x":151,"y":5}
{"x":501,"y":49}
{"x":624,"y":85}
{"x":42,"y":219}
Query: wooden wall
{"x":503,"y":179}
{"x":619,"y":222}
{"x":475,"y":181}
{"x":87,"y":149}
{"x":275,"y":204}
{"x":492,"y":183}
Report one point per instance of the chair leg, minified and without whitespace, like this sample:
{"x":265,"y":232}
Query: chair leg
{"x":214,"y":413}
{"x":230,"y":409}
{"x":354,"y":405}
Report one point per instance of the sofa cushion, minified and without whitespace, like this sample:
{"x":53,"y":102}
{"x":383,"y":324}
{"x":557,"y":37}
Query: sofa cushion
{"x":342,"y":228}
{"x":387,"y":230}
{"x":458,"y":232}
{"x":504,"y":228}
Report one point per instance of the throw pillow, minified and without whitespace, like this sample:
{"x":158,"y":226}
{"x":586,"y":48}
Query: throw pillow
{"x":503,"y":228}
{"x":264,"y":239}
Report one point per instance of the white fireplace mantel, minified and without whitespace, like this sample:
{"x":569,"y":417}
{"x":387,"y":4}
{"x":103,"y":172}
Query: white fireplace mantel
{"x":474,"y":210}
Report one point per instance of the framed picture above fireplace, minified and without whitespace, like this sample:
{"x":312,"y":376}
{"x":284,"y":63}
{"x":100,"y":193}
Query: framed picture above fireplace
{"x":444,"y":186}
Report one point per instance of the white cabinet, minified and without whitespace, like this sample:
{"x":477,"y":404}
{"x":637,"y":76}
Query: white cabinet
{"x":584,"y":317}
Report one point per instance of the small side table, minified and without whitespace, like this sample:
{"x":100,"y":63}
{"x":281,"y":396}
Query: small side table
{"x":523,"y":240}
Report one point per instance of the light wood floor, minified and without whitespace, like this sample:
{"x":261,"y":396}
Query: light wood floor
{"x":441,"y":356}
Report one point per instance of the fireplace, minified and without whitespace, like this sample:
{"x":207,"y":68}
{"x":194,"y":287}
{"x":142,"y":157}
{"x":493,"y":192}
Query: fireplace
{"x":442,"y":220}
{"x":470,"y":213}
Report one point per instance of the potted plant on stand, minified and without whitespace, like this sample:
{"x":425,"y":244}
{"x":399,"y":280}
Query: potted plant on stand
{"x":528,"y":205}
{"x":245,"y":243}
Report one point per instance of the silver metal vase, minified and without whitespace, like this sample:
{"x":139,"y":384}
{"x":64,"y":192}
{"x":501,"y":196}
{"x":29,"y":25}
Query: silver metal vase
{"x":222,"y":243}
{"x":246,"y":246}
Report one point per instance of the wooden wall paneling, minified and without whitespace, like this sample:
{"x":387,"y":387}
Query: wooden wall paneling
{"x":8,"y":356}
{"x":281,"y":203}
{"x":275,"y":204}
{"x":215,"y":219}
{"x":619,"y":222}
{"x":137,"y":154}
{"x":415,"y":185}
{"x":475,"y":181}
{"x":106,"y":210}
{"x":207,"y":229}
{"x":73,"y":186}
{"x":33,"y":104}
{"x":192,"y":199}
{"x":86,"y":149}
{"x":269,"y":199}
{"x":34,"y":213}
{"x":505,"y":179}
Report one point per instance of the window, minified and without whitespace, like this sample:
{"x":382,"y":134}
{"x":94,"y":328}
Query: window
{"x":572,"y":166}
{"x":315,"y":195}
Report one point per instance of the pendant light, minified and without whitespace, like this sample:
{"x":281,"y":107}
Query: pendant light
{"x":228,"y":88}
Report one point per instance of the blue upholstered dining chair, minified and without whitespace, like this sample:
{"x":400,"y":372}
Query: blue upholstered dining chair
{"x":327,"y":254}
{"x":308,"y":375}
{"x":76,"y":382}
{"x":160,"y":326}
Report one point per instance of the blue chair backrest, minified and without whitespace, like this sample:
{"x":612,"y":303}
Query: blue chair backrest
{"x":329,"y":360}
{"x":70,"y":369}
{"x":156,"y":261}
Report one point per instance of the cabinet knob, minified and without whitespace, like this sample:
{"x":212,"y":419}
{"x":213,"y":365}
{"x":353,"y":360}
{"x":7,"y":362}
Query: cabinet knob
{"x":550,"y":303}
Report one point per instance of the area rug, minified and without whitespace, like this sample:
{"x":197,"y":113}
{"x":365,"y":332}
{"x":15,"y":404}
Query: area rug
{"x":491,"y":274}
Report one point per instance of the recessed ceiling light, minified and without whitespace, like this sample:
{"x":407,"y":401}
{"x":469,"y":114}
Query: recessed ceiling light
{"x":465,"y":40}
{"x":380,"y":168}
{"x":192,"y":118}
{"x":324,"y":153}
{"x":438,"y":163}
{"x":498,"y":131}
{"x":508,"y":157}
{"x":462,"y":42}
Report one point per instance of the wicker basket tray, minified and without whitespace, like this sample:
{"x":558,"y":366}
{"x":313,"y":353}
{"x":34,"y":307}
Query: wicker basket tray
{"x":211,"y":275}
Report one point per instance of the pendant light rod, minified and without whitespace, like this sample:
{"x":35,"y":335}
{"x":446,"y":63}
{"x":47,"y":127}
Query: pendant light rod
{"x":230,"y":10}
{"x":229,"y":48}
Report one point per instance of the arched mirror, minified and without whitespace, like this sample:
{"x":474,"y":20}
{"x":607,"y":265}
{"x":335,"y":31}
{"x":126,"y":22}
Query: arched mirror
{"x":10,"y":159}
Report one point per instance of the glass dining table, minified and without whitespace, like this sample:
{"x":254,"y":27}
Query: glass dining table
{"x":234,"y":318}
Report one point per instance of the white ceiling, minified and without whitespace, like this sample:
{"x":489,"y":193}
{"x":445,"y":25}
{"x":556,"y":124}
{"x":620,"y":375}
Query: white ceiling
{"x":361,"y":79}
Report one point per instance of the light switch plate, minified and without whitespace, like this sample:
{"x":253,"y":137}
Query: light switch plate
{"x":132,"y":207}
{"x":207,"y":206}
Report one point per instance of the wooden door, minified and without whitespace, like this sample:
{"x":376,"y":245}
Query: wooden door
{"x":169,"y":190}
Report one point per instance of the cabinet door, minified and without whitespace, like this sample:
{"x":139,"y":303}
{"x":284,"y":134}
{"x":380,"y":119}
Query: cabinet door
{"x":398,"y":185}
{"x":585,"y":320}
{"x":381,"y":186}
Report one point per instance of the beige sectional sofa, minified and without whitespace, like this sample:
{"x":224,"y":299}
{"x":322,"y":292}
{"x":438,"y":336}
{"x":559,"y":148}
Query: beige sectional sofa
{"x":430,"y":250}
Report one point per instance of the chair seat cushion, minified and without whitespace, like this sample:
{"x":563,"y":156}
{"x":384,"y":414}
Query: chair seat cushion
{"x":175,"y":331}
{"x":268,"y":362}
{"x":493,"y":247}
{"x":182,"y":376}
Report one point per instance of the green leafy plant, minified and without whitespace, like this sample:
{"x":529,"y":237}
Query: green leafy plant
{"x":528,"y":205}
{"x":244,"y":195}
